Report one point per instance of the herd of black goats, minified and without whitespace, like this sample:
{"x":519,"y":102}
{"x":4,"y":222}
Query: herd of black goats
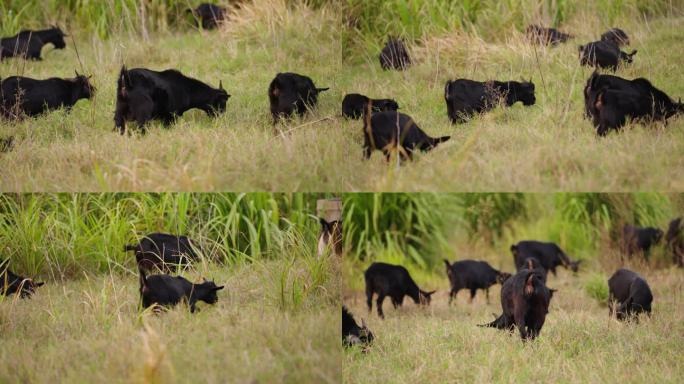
{"x":165,"y":253}
{"x":524,"y":295}
{"x":156,"y":251}
{"x":144,"y":95}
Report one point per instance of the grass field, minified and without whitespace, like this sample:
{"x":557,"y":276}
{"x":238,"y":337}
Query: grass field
{"x":578,"y":343}
{"x":276,"y":321}
{"x":547,"y":147}
{"x":92,"y":330}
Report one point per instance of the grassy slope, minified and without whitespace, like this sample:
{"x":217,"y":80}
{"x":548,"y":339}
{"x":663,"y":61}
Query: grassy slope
{"x":578,"y":343}
{"x":547,"y":147}
{"x":237,"y":151}
{"x":91,"y":331}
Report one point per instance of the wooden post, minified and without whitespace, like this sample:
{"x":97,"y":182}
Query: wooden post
{"x":329,"y":209}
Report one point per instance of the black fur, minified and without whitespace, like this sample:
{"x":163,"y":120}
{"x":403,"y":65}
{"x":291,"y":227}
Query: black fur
{"x":11,"y":283}
{"x":380,"y":132}
{"x":394,"y":55}
{"x":631,"y":292}
{"x":167,"y":291}
{"x":28,"y":44}
{"x":465,"y":98}
{"x":393,"y":281}
{"x":548,"y":255}
{"x":525,"y":302}
{"x":604,"y":54}
{"x":25,"y":96}
{"x":291,"y":93}
{"x":616,"y":36}
{"x":163,"y":251}
{"x":640,"y":240}
{"x":143,"y":95}
{"x":353,"y":105}
{"x":611,"y":101}
{"x":537,"y":34}
{"x":472,"y":275}
{"x":209,"y":16}
{"x":352,"y":333}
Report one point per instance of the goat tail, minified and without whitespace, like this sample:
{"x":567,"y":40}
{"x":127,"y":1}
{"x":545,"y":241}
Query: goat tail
{"x":124,"y":82}
{"x":448,"y":265}
{"x":500,"y":322}
{"x":143,"y":278}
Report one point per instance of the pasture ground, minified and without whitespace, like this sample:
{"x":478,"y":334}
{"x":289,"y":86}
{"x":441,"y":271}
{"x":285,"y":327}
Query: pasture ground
{"x":578,"y":344}
{"x":91,"y":330}
{"x":547,"y":147}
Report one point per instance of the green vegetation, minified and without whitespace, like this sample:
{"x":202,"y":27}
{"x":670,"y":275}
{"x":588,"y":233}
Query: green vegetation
{"x":578,"y":344}
{"x":596,"y":287}
{"x":276,"y":320}
{"x":423,"y":228}
{"x":546,"y":147}
{"x":371,"y":20}
{"x":104,"y":18}
{"x":67,"y":234}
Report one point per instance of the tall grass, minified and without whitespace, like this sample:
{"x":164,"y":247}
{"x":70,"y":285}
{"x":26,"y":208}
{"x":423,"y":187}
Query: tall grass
{"x":371,"y":21}
{"x":65,"y":234}
{"x":109,"y":17}
{"x":421,"y":229}
{"x":103,"y":17}
{"x":412,"y":222}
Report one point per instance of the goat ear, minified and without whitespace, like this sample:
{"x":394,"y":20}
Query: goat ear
{"x":220,"y":287}
{"x":430,"y":293}
{"x":40,"y":284}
